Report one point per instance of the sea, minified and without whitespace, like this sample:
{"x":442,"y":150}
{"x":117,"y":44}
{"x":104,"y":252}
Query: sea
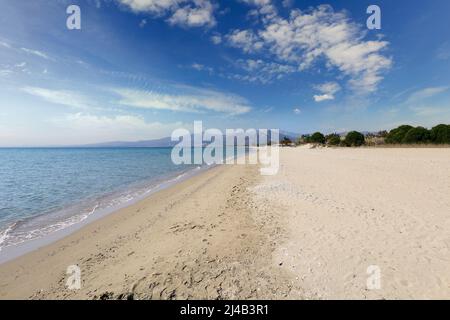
{"x":46,"y":193}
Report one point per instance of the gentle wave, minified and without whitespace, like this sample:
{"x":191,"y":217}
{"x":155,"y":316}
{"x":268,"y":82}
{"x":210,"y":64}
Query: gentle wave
{"x":5,"y":234}
{"x":19,"y":232}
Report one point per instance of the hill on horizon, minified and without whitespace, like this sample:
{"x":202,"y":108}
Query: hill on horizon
{"x":159,"y":143}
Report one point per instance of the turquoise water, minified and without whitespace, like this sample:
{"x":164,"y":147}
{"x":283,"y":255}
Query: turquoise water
{"x":43,"y":190}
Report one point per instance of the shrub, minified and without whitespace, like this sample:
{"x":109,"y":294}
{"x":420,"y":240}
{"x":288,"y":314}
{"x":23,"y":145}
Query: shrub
{"x":286,"y":141}
{"x":382,"y":134}
{"x":317,"y":137}
{"x":333,"y":139}
{"x":354,"y":139}
{"x":397,"y":135}
{"x":304,"y":139}
{"x":417,"y":135}
{"x":440,"y":134}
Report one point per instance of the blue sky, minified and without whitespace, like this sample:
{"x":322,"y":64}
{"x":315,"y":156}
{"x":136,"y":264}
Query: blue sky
{"x":139,"y":69}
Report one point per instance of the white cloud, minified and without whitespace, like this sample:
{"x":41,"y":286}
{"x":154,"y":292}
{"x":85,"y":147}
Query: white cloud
{"x":287,"y":3}
{"x":201,"y":67}
{"x":4,"y":44}
{"x":151,"y":6}
{"x":198,"y":66}
{"x":262,"y":71}
{"x":193,"y":100}
{"x":323,"y":97}
{"x":257,"y":2}
{"x":428,"y":111}
{"x":187,"y":99}
{"x":201,"y":14}
{"x":327,"y":91}
{"x":61,"y":97}
{"x":216,"y":39}
{"x":244,"y":39}
{"x":142,"y":23}
{"x":186,"y":13}
{"x":264,"y":9}
{"x":426,"y":93}
{"x":36,"y":53}
{"x":5,"y":72}
{"x":81,"y":128}
{"x":297,"y":110}
{"x":252,"y":65}
{"x":319,"y":34}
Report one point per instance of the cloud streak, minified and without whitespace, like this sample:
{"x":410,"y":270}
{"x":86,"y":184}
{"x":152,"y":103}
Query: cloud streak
{"x":36,"y":53}
{"x":193,"y":101}
{"x":60,"y":97}
{"x":426,"y":93}
{"x":113,"y":128}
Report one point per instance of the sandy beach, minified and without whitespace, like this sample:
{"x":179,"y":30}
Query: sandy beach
{"x":309,"y":232}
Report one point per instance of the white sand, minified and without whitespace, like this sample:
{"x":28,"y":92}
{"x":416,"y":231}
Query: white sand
{"x":346,"y":209}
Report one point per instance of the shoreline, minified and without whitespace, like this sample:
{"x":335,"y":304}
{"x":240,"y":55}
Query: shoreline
{"x":202,"y":228}
{"x":12,"y":252}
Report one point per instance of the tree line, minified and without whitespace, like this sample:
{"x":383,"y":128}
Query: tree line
{"x":404,"y":134}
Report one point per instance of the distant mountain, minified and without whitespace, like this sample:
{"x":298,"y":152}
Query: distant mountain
{"x":291,"y":135}
{"x":163,"y":142}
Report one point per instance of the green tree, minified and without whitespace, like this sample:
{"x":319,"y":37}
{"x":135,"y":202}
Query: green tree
{"x":354,"y":139}
{"x":398,"y":134}
{"x":318,"y":137}
{"x":382,"y":134}
{"x":440,"y":134}
{"x":305,"y":138}
{"x":333,"y":139}
{"x":417,"y":135}
{"x":286,"y":141}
